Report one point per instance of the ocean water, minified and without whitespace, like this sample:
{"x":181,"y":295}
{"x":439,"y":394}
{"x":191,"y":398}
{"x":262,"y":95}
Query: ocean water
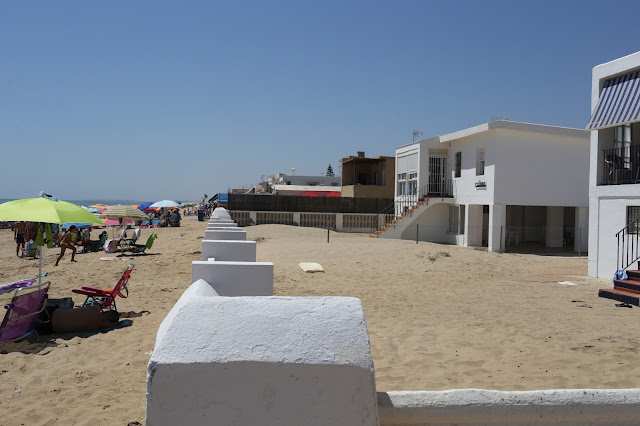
{"x":90,"y":202}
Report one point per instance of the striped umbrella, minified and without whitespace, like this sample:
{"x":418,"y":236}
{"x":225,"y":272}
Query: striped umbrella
{"x":123,"y":212}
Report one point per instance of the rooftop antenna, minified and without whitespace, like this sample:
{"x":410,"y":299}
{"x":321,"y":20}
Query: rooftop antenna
{"x":416,"y":134}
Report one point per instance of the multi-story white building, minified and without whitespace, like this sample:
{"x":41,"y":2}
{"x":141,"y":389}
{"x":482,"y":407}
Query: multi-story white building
{"x":500,"y":184}
{"x":614,"y":180}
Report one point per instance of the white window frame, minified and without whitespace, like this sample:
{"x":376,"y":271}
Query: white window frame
{"x":480,"y":162}
{"x":412,"y":183}
{"x":402,"y":184}
{"x":456,"y":219}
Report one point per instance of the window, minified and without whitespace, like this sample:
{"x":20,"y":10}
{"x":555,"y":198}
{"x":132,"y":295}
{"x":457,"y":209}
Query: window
{"x":632,"y":213}
{"x":413,"y":184}
{"x":456,"y":220}
{"x":480,"y":162}
{"x":622,"y":143}
{"x":402,"y":184}
{"x":458,"y":164}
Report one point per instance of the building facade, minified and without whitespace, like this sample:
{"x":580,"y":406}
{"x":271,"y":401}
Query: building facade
{"x":499,"y":184}
{"x":364,"y":177}
{"x":614,"y":180}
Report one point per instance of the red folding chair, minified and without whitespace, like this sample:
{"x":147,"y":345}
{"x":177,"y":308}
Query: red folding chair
{"x":106,"y":299}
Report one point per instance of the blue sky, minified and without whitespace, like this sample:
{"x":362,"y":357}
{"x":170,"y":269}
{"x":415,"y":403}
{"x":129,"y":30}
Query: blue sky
{"x":170,"y":100}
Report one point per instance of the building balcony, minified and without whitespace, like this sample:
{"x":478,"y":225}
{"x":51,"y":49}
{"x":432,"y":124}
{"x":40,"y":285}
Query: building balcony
{"x":621,"y":166}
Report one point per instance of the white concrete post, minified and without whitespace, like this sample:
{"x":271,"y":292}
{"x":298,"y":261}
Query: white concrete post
{"x":473,"y":225}
{"x":497,"y":223}
{"x":220,"y":234}
{"x":339,"y":222}
{"x":296,"y":217}
{"x":253,"y":216}
{"x":228,"y":250}
{"x":582,"y":229}
{"x":262,"y":361}
{"x":235,"y":278}
{"x":555,"y":222}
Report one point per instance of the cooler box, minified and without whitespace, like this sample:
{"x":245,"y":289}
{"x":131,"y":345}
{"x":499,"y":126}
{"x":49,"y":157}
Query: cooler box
{"x":200,"y":215}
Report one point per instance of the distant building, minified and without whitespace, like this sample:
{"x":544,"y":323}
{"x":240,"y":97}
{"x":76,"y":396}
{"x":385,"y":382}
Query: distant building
{"x":301,"y":180}
{"x":364,"y":177}
{"x":501,"y":184}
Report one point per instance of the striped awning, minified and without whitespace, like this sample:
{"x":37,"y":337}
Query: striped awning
{"x":619,"y":102}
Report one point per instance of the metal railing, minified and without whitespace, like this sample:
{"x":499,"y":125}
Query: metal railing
{"x":621,"y":166}
{"x":627,"y":240}
{"x":406,"y":203}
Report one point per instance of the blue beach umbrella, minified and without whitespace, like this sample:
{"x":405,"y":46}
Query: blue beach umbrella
{"x":144,"y":206}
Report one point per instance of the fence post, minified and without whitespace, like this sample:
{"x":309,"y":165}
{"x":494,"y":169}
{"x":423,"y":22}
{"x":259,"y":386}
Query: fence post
{"x":579,"y":240}
{"x":327,"y":232}
{"x":500,"y":243}
{"x":417,"y":226}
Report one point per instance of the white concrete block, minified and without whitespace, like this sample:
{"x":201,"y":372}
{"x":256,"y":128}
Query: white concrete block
{"x":484,"y":407}
{"x":217,"y":234}
{"x":228,"y":250}
{"x":224,"y":223}
{"x":235,"y":278}
{"x":263,"y":361}
{"x":220,"y":213}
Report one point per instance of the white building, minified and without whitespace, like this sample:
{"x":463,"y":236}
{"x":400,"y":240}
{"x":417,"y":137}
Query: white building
{"x":503,"y":184}
{"x":300,"y":180}
{"x":614,"y":181}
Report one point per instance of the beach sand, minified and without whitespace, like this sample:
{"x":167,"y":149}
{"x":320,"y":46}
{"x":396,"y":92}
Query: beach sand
{"x":439,"y":317}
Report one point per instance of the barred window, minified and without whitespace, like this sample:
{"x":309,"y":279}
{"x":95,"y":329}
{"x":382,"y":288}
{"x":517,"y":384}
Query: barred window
{"x":633,"y":212}
{"x":458,"y":170}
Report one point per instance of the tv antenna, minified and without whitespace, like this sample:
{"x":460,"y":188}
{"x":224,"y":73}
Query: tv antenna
{"x":416,"y":134}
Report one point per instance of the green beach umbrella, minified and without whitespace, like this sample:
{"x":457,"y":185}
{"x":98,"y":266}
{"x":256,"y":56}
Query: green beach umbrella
{"x":44,"y":209}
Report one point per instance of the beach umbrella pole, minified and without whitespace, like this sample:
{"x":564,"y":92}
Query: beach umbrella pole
{"x":40,"y":267}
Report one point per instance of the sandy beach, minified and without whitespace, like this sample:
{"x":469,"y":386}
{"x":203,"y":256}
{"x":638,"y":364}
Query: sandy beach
{"x":439,"y":317}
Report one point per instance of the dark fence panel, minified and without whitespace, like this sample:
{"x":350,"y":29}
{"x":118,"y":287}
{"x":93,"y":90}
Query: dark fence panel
{"x":294,"y":203}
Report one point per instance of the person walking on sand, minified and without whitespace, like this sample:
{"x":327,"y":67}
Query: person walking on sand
{"x":65,"y":242}
{"x":19,"y":229}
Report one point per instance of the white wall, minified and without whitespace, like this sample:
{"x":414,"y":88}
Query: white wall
{"x":235,"y":278}
{"x":225,"y":234}
{"x":237,"y":251}
{"x":484,"y":407}
{"x":262,"y":361}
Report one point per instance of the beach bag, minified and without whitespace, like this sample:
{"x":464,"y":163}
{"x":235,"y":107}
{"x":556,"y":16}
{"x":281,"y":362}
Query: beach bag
{"x":110,"y":246}
{"x":620,"y":274}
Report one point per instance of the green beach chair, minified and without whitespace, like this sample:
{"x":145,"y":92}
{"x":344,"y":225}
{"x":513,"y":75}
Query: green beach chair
{"x":142,"y":248}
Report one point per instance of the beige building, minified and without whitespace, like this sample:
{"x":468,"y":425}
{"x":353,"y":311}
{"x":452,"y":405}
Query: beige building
{"x":364,"y":177}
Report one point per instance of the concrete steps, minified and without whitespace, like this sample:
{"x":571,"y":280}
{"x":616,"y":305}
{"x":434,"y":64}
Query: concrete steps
{"x":627,"y":291}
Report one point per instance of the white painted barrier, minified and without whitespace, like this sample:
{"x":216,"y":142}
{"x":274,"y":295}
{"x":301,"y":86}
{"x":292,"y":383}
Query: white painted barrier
{"x":218,"y":234}
{"x":482,"y":407}
{"x":220,"y":213}
{"x":235,"y":278}
{"x":221,"y":224}
{"x":235,"y":251}
{"x":262,"y":361}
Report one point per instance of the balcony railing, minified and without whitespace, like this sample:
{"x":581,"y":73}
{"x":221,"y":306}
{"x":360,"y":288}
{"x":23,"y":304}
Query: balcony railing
{"x":621,"y":166}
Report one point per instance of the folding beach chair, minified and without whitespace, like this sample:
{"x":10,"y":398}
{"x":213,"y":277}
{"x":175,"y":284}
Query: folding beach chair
{"x":126,"y":243}
{"x":141,"y":248}
{"x":106,"y":299}
{"x":27,"y":302}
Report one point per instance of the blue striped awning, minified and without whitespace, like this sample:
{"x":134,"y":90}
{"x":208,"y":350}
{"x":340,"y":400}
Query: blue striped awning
{"x":619,"y":102}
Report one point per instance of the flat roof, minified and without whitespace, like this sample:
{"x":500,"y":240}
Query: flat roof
{"x":504,"y":124}
{"x":365,"y":159}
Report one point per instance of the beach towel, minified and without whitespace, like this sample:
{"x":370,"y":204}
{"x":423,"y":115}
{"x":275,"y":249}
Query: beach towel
{"x":311,"y":267}
{"x":620,"y":274}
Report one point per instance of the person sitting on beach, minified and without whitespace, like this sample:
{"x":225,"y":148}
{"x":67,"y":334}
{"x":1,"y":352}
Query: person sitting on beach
{"x":19,"y":229}
{"x":88,"y":318}
{"x":66,"y":242}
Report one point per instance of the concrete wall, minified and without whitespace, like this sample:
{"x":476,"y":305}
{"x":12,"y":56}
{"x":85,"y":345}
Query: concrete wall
{"x":225,"y":234}
{"x":483,"y":407}
{"x":262,"y":361}
{"x":238,"y":251}
{"x":235,"y":278}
